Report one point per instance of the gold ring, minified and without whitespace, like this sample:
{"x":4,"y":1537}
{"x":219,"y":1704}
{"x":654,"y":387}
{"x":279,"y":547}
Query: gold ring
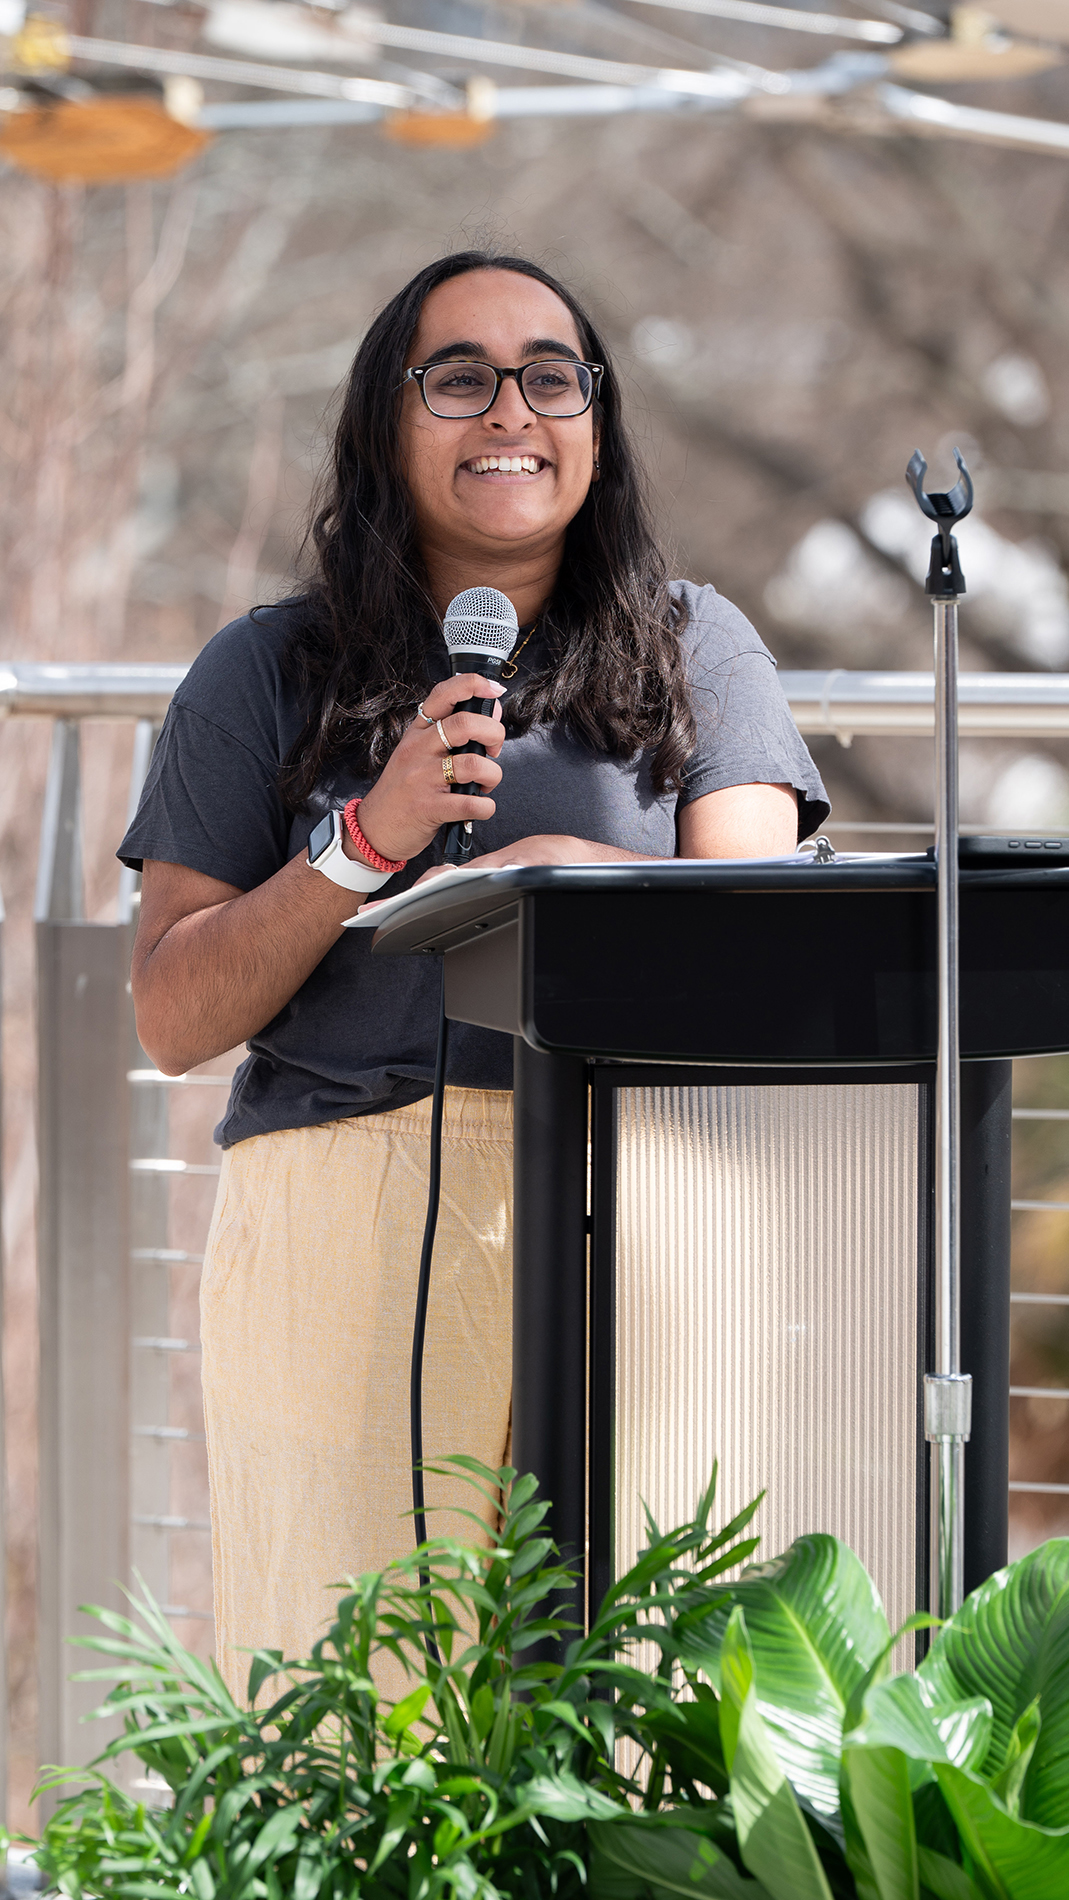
{"x":447,"y":768}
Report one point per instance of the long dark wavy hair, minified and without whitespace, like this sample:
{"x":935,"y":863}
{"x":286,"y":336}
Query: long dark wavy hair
{"x":367,"y":626}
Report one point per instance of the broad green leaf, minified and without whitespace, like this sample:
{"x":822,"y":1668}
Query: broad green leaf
{"x":1022,"y":1747}
{"x":277,"y":1834}
{"x":878,"y":1780}
{"x":933,"y":1820}
{"x":457,"y":1786}
{"x":906,"y":1713}
{"x":201,"y":1876}
{"x":816,"y":1625}
{"x":264,"y":1664}
{"x":406,"y":1712}
{"x":945,"y":1878}
{"x":565,"y":1798}
{"x":736,"y":1681}
{"x":420,"y":1774}
{"x":482,"y":1711}
{"x":631,"y":1858}
{"x":1010,"y":1643}
{"x":502,"y":1741}
{"x":399,"y":1815}
{"x":774,"y":1840}
{"x":689,"y":1736}
{"x":854,"y":1849}
{"x":880,"y":1670}
{"x":308,"y":1876}
{"x":197,"y":1839}
{"x":1020,"y":1860}
{"x":531,"y":1555}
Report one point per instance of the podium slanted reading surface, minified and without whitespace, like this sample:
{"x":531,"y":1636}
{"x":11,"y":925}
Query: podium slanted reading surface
{"x":723,"y":1182}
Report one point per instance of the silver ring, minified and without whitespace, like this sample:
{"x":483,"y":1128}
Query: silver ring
{"x":441,"y":735}
{"x":423,"y":715}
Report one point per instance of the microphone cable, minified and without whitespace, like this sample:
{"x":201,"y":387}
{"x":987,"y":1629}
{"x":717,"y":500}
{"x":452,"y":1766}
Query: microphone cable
{"x":423,"y":1288}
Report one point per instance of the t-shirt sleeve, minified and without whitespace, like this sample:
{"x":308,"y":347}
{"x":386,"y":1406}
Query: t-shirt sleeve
{"x":209,"y":803}
{"x":746,"y":731}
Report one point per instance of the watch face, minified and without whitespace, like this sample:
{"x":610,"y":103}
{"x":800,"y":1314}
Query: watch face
{"x":321,"y":837}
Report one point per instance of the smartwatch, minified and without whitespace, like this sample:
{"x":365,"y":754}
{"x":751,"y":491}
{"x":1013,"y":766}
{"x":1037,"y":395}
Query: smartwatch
{"x":326,"y":853}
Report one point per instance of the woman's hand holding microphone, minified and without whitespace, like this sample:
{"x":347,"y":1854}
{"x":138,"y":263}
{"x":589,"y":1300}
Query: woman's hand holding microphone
{"x":412,"y":798}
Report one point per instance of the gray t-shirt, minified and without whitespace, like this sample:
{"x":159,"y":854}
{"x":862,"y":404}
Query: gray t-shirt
{"x":359,"y":1036}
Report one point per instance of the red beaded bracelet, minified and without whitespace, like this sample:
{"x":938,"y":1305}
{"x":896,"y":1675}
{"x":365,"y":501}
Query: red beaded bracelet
{"x":352,"y":826}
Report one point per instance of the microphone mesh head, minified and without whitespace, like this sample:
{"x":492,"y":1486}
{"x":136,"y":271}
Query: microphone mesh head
{"x":481,"y":620}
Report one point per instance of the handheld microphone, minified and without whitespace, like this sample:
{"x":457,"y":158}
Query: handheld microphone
{"x":480,"y":629}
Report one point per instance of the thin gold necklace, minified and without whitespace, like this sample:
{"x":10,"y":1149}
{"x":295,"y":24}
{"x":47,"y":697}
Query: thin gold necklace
{"x":510,"y":668}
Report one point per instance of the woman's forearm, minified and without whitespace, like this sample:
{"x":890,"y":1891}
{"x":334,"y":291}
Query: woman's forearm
{"x":213,"y":965}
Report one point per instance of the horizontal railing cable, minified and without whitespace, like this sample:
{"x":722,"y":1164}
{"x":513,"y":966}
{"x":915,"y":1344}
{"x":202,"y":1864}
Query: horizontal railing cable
{"x":162,"y":1164}
{"x":162,"y":1523}
{"x":179,"y":1081}
{"x":167,"y":1256}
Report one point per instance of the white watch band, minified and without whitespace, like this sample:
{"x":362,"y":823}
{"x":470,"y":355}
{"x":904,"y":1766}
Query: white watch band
{"x":350,"y":873}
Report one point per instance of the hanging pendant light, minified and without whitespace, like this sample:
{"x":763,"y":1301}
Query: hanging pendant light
{"x":102,"y":141}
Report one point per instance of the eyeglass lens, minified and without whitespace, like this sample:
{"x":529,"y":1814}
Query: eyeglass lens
{"x":467,"y":389}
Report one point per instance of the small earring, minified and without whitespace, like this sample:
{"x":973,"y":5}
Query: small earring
{"x":597,"y":466}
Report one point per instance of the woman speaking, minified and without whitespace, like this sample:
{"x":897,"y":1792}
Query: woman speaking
{"x":480,"y":443}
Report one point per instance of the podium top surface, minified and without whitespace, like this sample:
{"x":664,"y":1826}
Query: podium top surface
{"x":444,"y":912}
{"x":775,"y":961}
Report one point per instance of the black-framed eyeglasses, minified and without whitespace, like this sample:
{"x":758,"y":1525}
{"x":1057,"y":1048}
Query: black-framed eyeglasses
{"x":558,"y":386}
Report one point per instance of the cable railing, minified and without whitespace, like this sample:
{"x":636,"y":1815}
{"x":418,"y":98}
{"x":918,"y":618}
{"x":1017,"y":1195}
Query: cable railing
{"x":115,"y":1235}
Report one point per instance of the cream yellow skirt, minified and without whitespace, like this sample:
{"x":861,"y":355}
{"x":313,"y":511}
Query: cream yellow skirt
{"x":306,"y":1330}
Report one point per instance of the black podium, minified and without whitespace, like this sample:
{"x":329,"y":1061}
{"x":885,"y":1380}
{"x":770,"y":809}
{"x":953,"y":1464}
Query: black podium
{"x":723,"y":1182}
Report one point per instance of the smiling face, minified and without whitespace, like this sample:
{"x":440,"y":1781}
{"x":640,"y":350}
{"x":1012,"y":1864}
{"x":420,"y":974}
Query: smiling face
{"x":497,"y":489}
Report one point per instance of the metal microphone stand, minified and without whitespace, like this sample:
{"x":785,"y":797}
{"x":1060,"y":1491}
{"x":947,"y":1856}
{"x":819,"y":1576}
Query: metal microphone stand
{"x":947,"y":1390}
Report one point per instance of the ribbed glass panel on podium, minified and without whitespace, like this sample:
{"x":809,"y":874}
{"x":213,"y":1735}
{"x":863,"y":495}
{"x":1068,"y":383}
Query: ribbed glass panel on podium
{"x":768,"y":1296}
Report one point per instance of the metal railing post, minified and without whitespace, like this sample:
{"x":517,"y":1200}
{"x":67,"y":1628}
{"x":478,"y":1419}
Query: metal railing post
{"x":150,"y":1373}
{"x":83,"y":1256}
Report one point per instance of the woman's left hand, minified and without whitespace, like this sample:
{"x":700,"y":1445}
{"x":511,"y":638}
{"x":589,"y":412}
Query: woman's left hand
{"x":543,"y":848}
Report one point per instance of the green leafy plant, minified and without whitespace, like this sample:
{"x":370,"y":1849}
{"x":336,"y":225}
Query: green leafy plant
{"x":731,"y":1736}
{"x":842,"y":1779}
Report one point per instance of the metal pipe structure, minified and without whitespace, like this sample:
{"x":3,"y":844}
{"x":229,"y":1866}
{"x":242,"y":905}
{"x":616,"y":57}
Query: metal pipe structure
{"x":727,"y":85}
{"x":849,"y":705}
{"x":119,"y":690}
{"x":947,"y":1390}
{"x":839,"y":703}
